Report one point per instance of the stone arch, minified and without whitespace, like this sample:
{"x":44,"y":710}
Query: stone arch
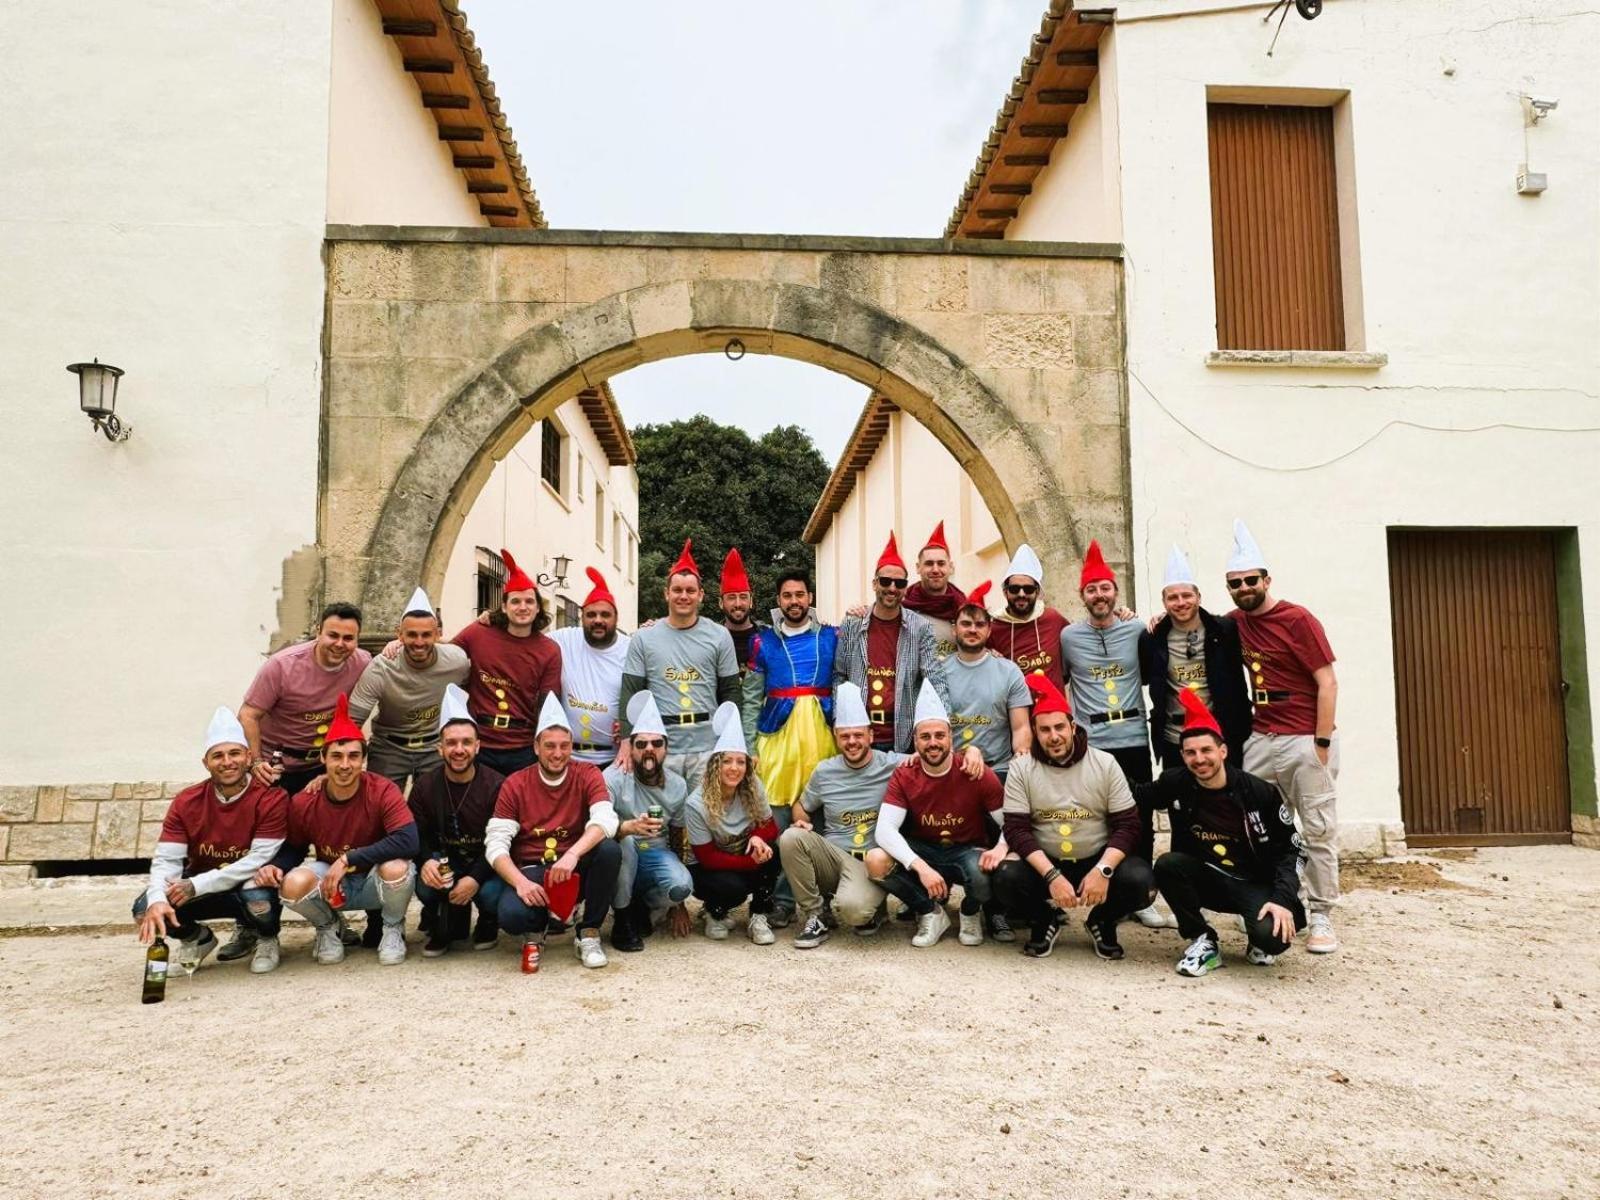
{"x":435,"y":486}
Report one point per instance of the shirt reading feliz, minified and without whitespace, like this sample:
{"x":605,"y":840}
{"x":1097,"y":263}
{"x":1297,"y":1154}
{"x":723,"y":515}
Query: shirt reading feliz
{"x":1102,"y":668}
{"x":982,"y":695}
{"x":550,"y":817}
{"x":948,"y":809}
{"x":681,"y":668}
{"x":848,"y":799}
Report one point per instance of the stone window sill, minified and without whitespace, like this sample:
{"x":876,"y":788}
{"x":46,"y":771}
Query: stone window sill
{"x":1335,"y":360}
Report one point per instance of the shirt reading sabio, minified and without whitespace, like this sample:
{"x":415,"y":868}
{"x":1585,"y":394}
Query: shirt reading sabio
{"x":217,"y":832}
{"x":1284,"y":647}
{"x":948,"y":809}
{"x":334,"y":827}
{"x":682,"y":669}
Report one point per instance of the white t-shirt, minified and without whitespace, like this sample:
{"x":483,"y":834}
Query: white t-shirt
{"x":591,"y":685}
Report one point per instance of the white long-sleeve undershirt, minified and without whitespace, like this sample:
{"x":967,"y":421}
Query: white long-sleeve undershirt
{"x":166,"y":864}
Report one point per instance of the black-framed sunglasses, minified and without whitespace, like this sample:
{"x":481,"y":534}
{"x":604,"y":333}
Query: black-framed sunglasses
{"x":650,"y":743}
{"x":897,"y":584}
{"x":1021,"y":589}
{"x":1243,"y":581}
{"x":1191,"y":643}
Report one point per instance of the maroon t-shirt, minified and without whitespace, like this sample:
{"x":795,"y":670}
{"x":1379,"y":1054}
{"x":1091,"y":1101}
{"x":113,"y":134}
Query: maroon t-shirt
{"x":948,"y":809}
{"x":510,"y":677}
{"x":217,"y":833}
{"x":1283,"y":647}
{"x":883,"y":645}
{"x":334,"y":827}
{"x":1035,"y":646}
{"x":549,"y":819}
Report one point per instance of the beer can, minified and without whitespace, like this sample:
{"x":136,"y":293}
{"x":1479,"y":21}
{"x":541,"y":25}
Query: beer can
{"x":656,"y":813}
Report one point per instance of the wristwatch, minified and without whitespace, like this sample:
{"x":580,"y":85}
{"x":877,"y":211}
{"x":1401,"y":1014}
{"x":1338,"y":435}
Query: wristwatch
{"x":1323,"y":743}
{"x":1105,"y":870}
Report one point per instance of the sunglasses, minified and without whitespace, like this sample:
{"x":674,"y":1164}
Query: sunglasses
{"x":650,"y":743}
{"x":1021,"y":589}
{"x":1191,"y":643}
{"x":897,"y":584}
{"x":1243,"y":581}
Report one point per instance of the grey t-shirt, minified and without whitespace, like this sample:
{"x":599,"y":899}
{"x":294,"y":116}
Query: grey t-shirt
{"x":1185,"y":672}
{"x":982,"y":695}
{"x":731,"y":834}
{"x":848,"y":799}
{"x":632,"y":799}
{"x":681,"y":668}
{"x":405,"y":701}
{"x":1102,"y":669}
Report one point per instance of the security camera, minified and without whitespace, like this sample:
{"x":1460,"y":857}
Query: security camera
{"x":1538,"y":107}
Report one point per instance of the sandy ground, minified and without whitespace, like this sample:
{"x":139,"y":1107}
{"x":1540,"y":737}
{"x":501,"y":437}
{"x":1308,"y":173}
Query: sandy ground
{"x":1449,"y":1050}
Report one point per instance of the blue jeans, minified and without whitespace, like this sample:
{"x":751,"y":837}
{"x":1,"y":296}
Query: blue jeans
{"x":656,"y":877}
{"x":233,"y":905}
{"x":597,"y":885}
{"x":363,"y":891}
{"x":957,"y":864}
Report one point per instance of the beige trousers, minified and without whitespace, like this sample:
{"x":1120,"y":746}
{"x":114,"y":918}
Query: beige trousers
{"x":818,"y":869}
{"x":1289,"y":762}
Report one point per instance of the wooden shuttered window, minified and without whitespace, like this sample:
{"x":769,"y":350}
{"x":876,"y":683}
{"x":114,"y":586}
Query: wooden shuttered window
{"x":1275,"y":228}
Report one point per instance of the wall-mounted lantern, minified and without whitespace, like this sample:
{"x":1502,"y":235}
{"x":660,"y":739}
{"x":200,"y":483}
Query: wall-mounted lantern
{"x":97,"y":397}
{"x":559,"y":580}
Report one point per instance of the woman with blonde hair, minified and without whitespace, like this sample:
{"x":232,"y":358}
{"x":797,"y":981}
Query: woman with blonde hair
{"x":733,"y":835}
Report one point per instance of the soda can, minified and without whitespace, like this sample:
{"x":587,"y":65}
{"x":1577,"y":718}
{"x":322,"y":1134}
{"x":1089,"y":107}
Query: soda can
{"x":656,"y":813}
{"x":531,"y":952}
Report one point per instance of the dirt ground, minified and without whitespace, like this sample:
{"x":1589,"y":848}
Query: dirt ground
{"x":1449,"y":1050}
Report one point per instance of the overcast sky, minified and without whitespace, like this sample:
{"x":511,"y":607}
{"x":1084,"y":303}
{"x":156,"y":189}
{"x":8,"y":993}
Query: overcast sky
{"x":829,"y":116}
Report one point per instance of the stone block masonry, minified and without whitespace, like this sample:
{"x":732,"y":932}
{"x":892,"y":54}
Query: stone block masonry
{"x":78,"y":822}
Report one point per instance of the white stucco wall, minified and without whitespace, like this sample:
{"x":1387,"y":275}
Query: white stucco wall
{"x":1486,"y":302}
{"x":519,"y":511}
{"x":166,"y":216}
{"x":386,"y":164}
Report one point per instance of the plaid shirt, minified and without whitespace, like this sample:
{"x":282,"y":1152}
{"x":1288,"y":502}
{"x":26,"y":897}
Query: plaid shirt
{"x":916,"y":658}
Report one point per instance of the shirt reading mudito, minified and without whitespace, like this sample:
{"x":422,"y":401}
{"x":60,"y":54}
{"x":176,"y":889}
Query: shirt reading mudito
{"x":948,"y":809}
{"x":683,"y":668}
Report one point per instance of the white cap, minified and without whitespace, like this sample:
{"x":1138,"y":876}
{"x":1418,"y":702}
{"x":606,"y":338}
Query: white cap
{"x":849,"y":712}
{"x":419,"y":602}
{"x":1025,"y":562}
{"x":1178,"y":570}
{"x":729,"y":729}
{"x":929,"y":706}
{"x":454,"y":706}
{"x":551,"y":715}
{"x":644,"y":716}
{"x":1246,"y":554}
{"x":224,"y":730}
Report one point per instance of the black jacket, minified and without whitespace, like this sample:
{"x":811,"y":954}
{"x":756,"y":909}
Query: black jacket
{"x":1269,"y":850}
{"x":1230,"y":698}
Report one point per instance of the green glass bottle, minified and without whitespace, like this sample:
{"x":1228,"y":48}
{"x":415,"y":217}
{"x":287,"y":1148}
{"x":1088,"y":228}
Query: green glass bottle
{"x":155,"y":972}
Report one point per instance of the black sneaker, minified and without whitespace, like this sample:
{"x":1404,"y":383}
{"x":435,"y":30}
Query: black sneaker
{"x":348,"y":937}
{"x":1104,"y":936}
{"x":812,"y":934}
{"x":1042,"y":940}
{"x":373,"y":933}
{"x":486,"y":933}
{"x":874,"y":922}
{"x":625,"y":933}
{"x":241,"y":945}
{"x":1000,"y":928}
{"x":438,"y":941}
{"x":905,"y":915}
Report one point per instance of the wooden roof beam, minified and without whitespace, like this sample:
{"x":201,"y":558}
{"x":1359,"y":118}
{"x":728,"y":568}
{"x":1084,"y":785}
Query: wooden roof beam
{"x":404,"y":27}
{"x":445,"y":100}
{"x":460,"y":133}
{"x":429,"y":66}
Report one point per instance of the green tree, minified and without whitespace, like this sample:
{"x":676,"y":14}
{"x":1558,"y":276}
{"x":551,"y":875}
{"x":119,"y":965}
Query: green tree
{"x":718,"y":485}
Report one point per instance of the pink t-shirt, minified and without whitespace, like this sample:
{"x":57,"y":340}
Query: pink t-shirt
{"x":297,"y":697}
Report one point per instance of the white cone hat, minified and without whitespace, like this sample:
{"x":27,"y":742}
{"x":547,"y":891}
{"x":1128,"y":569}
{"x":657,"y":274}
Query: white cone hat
{"x":730,"y":730}
{"x":224,"y":730}
{"x":1178,"y":570}
{"x":929,"y":706}
{"x":849,"y":712}
{"x":1246,"y":554}
{"x":419,"y":602}
{"x":552,"y":715}
{"x":1025,"y":562}
{"x":644,"y":715}
{"x":453,"y":707}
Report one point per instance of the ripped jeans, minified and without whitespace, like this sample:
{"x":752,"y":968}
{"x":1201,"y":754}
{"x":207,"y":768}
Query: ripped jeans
{"x":256,"y":909}
{"x":362,"y":890}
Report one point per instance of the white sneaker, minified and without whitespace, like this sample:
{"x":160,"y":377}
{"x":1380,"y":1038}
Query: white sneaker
{"x":931,"y":927}
{"x":266,"y":956}
{"x":392,"y":946}
{"x":329,"y":946}
{"x":1320,"y":937}
{"x":1152,"y":917}
{"x":717,"y":928}
{"x":590,"y":952}
{"x":1259,"y":958}
{"x":971,"y":933}
{"x":761,"y":930}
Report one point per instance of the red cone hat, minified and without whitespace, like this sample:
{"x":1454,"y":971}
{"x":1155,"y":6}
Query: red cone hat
{"x":600,"y":593}
{"x":1047,"y":697}
{"x":1094,"y":567}
{"x":342,"y":728}
{"x":685,"y":563}
{"x":733,"y":577}
{"x":516,"y":578}
{"x":890,"y":556}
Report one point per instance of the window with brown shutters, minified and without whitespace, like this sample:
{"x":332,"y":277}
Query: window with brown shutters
{"x":1275,"y":228}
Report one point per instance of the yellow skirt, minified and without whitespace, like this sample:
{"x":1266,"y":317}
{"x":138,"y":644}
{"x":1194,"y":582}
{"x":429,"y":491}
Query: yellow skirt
{"x":788,"y":757}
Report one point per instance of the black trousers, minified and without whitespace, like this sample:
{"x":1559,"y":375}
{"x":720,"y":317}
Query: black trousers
{"x":1022,"y":893}
{"x":1191,"y":884}
{"x":721,"y":891}
{"x":1135,"y":764}
{"x":597,"y":884}
{"x":223,"y":905}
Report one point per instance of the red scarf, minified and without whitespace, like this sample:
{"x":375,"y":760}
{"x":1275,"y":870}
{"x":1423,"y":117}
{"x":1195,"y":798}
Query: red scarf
{"x":940,"y":608}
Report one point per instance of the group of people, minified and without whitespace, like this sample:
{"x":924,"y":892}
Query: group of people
{"x":804,"y":771}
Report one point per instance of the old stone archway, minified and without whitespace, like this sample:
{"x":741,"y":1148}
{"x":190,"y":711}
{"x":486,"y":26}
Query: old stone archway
{"x":445,"y":345}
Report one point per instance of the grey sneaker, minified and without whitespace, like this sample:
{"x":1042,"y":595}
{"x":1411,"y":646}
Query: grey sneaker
{"x":329,"y":947}
{"x":971,"y":932}
{"x":761,"y":930}
{"x":931,"y":927}
{"x":812,"y":934}
{"x":1000,"y":928}
{"x":1259,"y":958}
{"x":717,"y":927}
{"x":1201,"y":958}
{"x":1320,"y":937}
{"x":266,"y":956}
{"x":392,"y":946}
{"x":239,"y":945}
